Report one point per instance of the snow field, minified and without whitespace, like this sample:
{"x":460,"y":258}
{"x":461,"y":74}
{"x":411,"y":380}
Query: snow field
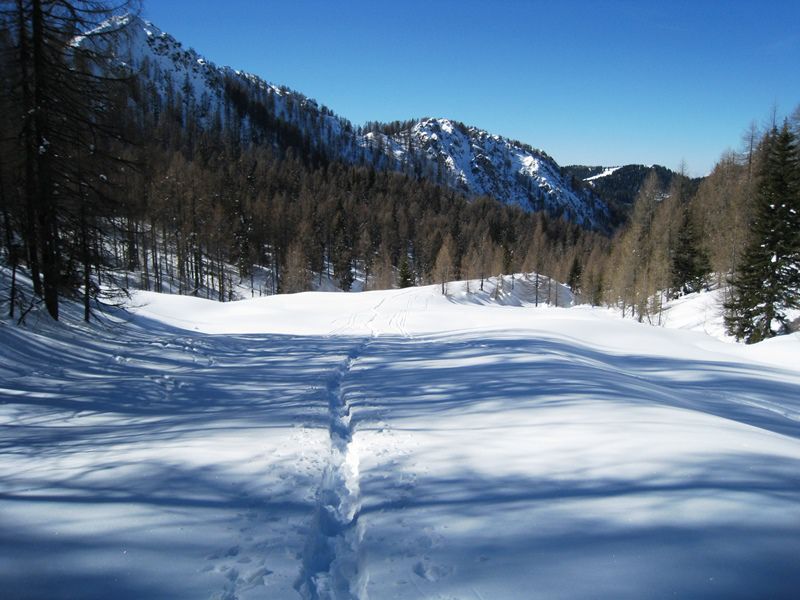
{"x":396,"y":444}
{"x":152,"y":463}
{"x":583,"y":484}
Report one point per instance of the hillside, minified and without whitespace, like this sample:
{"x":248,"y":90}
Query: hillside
{"x":478,"y":163}
{"x":467,"y":159}
{"x":618,"y":186}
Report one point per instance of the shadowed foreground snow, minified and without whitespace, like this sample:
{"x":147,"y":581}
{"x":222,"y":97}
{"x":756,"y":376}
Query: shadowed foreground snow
{"x":394,"y":445}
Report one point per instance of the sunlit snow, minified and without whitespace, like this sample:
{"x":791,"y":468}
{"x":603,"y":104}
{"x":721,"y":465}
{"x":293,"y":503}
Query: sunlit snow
{"x":397,"y":444}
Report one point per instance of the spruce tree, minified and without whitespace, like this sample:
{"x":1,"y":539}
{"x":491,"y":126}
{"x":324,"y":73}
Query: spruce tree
{"x":406,"y":278}
{"x":768,"y":281}
{"x":690,"y":264}
{"x":574,"y":277}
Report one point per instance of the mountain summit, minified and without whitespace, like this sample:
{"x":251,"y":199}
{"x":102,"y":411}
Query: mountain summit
{"x":478,"y":163}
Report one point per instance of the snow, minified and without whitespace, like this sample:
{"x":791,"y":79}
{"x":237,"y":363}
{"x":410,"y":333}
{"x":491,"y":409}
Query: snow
{"x":700,"y":311}
{"x":479,"y":163}
{"x":606,"y":172}
{"x":703,"y":312}
{"x":395,"y":444}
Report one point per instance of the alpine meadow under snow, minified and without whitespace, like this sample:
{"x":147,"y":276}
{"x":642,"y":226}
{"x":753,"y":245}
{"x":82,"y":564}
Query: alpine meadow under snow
{"x":397,"y":444}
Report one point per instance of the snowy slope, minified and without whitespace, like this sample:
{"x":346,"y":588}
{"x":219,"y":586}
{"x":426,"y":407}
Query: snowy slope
{"x":479,"y":163}
{"x":182,"y":77}
{"x":468,"y":159}
{"x":397,"y":444}
{"x":605,"y":173}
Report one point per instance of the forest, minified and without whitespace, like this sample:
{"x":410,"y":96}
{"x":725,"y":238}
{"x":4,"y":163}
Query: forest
{"x":107,"y":185}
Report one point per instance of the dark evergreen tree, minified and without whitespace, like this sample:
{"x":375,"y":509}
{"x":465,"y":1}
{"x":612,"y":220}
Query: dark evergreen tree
{"x":768,"y":281}
{"x":690,"y":266}
{"x":405,"y":277}
{"x":574,"y":277}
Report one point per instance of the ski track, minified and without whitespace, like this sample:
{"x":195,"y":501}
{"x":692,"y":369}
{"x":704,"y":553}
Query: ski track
{"x":332,"y":567}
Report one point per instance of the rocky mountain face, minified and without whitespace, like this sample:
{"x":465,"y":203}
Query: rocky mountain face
{"x":478,"y":163}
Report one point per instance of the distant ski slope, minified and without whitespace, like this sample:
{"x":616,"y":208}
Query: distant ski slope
{"x":397,"y":444}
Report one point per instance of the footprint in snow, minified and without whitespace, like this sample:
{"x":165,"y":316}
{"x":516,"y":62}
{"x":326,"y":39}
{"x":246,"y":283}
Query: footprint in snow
{"x":256,"y":577}
{"x":431,"y":572}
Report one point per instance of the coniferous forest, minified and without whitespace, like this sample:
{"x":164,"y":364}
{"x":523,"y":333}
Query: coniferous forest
{"x":108,"y":185}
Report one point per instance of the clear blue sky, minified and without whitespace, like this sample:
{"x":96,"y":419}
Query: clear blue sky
{"x":601,"y":82}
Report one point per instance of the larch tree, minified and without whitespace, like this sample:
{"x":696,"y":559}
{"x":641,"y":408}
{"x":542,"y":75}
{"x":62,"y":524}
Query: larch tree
{"x":444,"y":267}
{"x":722,"y":211}
{"x":63,"y":84}
{"x":631,"y":252}
{"x":296,"y":276}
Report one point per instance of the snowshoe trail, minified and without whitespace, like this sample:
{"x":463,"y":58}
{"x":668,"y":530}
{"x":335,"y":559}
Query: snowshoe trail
{"x":332,"y":567}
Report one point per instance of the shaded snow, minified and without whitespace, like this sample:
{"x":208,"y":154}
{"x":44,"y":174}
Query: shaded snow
{"x":467,"y":446}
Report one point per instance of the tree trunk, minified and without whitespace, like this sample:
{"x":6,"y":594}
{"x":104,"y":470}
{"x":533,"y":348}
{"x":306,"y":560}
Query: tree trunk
{"x":87,"y":265}
{"x":29,"y":106}
{"x":12,"y":251}
{"x":51,"y":262}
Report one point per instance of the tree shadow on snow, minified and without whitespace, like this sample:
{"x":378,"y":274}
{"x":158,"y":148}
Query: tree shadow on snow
{"x":67,"y":395}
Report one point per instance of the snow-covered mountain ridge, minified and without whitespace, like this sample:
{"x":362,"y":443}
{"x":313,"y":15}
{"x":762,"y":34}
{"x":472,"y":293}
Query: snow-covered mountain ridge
{"x":468,"y":159}
{"x":177,"y":75}
{"x":477,"y":162}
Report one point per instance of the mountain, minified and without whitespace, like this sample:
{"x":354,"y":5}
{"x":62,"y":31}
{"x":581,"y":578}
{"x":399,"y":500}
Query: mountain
{"x":618,"y":186}
{"x":203,"y":95}
{"x":478,"y":163}
{"x":181,"y":80}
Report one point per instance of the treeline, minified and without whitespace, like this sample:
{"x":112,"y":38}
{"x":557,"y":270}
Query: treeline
{"x":740,"y":226}
{"x":256,"y":210}
{"x":108,"y":184}
{"x":62,"y":145}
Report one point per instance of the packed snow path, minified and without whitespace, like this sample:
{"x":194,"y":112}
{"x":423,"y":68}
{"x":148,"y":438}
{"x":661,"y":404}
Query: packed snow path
{"x":331,"y":566}
{"x":394,"y":445}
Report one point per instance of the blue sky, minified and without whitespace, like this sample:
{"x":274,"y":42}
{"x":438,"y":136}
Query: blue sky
{"x":604,"y":82}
